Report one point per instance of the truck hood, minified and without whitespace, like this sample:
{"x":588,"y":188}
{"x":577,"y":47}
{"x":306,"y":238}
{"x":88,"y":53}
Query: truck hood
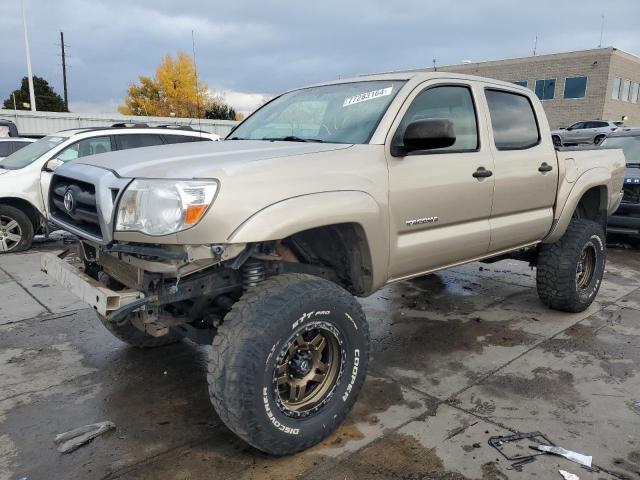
{"x":200,"y":159}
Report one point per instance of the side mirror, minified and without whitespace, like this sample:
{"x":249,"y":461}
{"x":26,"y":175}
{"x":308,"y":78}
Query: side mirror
{"x":427,"y":134}
{"x":52,"y":164}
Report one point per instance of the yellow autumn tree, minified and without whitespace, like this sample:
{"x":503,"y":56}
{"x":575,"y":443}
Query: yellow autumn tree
{"x":173,"y":91}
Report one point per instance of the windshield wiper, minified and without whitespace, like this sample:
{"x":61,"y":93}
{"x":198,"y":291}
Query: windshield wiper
{"x":237,"y":138}
{"x":293,"y":138}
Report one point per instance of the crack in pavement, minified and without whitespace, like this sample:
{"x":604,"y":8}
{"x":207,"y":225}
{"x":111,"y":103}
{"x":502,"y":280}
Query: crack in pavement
{"x":26,"y":291}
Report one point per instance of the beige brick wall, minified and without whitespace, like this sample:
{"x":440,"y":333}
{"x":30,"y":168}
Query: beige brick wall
{"x":627,"y":67}
{"x":594,"y":64}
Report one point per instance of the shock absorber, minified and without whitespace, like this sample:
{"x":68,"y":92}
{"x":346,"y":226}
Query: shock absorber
{"x":253,"y":272}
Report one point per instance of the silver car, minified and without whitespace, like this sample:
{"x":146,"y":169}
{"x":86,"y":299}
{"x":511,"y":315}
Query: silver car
{"x":593,"y":131}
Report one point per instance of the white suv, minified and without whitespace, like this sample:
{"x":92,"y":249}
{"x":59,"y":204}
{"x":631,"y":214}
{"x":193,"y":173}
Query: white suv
{"x":26,"y":173}
{"x":584,"y":132}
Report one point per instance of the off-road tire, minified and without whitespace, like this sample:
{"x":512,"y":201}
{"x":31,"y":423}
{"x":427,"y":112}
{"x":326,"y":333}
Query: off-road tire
{"x":25,"y":225}
{"x":135,"y":337}
{"x":244,"y":359}
{"x":559,"y":263}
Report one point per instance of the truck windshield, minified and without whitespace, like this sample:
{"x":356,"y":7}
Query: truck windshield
{"x":630,"y":146}
{"x":29,"y":154}
{"x":342,"y":113}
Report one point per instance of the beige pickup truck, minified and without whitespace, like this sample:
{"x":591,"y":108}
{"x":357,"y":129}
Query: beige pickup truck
{"x":257,"y":245}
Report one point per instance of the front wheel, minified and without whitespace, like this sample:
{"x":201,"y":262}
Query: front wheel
{"x":16,"y":230}
{"x":569,"y":272}
{"x":288,"y":362}
{"x":598,"y":140}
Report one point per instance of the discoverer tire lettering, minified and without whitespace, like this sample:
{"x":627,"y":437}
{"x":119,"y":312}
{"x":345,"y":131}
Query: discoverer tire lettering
{"x":259,"y":333}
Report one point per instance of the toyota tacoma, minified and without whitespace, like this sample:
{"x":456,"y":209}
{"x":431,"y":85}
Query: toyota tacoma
{"x":258,"y":245}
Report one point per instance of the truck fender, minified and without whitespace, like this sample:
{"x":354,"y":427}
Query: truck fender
{"x":569,"y":196}
{"x":292,"y":215}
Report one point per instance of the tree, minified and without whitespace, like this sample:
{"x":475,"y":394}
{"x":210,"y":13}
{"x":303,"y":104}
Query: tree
{"x":220,"y":111}
{"x":173,"y":91}
{"x":47,"y":100}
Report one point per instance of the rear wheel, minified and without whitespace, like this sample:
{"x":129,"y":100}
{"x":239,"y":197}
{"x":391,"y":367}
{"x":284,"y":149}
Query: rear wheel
{"x":16,"y":230}
{"x":569,"y":272}
{"x":288,"y":362}
{"x":556,"y":140}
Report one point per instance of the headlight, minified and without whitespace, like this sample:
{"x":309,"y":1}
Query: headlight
{"x":161,"y":207}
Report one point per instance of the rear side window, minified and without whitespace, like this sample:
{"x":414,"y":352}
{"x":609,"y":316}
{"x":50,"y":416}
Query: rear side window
{"x":178,"y":139}
{"x":136,"y":140}
{"x":513,"y":120}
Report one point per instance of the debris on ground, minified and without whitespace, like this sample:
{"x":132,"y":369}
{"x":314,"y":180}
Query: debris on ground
{"x":568,"y":454}
{"x":517,"y":459}
{"x":568,"y":476}
{"x":74,"y":439}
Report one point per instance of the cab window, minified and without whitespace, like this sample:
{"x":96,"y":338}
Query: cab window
{"x":513,"y":121}
{"x":451,"y":102}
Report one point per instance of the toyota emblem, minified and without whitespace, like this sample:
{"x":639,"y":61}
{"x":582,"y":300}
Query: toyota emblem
{"x":69,"y":201}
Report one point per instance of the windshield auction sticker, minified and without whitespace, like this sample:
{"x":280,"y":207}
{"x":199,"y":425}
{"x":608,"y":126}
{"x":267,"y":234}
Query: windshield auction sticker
{"x":363,"y":97}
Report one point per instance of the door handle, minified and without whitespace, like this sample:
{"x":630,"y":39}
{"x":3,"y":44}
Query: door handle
{"x":482,"y":172}
{"x":545,"y":167}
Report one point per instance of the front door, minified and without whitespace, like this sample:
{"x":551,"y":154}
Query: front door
{"x":526,"y":172}
{"x":439,"y":210}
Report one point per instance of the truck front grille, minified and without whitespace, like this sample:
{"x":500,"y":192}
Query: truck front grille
{"x":80,"y":208}
{"x":631,"y":193}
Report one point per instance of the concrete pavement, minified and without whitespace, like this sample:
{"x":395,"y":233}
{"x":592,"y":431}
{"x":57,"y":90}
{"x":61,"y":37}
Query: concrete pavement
{"x":457,"y":357}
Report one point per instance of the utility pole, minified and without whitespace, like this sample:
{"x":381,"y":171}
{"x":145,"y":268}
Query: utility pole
{"x":535,"y":46}
{"x":601,"y":31}
{"x":32,"y":95}
{"x":64,"y":72}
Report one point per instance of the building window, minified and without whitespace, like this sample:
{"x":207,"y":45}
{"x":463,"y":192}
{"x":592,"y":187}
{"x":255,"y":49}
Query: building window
{"x":575,"y":87}
{"x":615,"y":91}
{"x":522,"y":83}
{"x":635,"y":91}
{"x":626,"y":90}
{"x":546,"y":89}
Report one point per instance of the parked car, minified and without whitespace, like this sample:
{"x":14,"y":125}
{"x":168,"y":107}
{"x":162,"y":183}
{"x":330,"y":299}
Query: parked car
{"x":257,"y":244}
{"x":626,"y":219}
{"x":7,"y":128}
{"x":592,"y":131}
{"x":25,"y":174}
{"x":10,"y":145}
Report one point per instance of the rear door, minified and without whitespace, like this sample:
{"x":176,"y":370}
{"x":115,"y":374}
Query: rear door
{"x":574,"y":132}
{"x":439,"y":212}
{"x":526,"y":173}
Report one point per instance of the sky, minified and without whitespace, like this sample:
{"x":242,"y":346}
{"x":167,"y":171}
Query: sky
{"x":249,"y":50}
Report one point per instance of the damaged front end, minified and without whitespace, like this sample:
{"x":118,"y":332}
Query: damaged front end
{"x":156,"y":288}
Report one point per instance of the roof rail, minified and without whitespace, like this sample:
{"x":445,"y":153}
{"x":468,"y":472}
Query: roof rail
{"x":130,"y":125}
{"x":175,"y":125}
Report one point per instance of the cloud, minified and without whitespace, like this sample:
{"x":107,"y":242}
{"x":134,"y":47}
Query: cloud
{"x":269,"y":47}
{"x":242,"y":102}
